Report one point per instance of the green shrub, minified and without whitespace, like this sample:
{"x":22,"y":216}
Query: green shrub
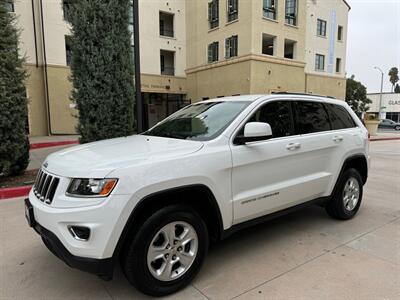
{"x":102,"y":68}
{"x":14,"y":143}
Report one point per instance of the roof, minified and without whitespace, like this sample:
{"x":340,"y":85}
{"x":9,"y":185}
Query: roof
{"x":348,"y":5}
{"x":253,"y":98}
{"x":241,"y":98}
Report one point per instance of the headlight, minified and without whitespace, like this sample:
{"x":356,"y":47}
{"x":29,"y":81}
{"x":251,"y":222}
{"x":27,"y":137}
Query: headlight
{"x":91,"y":187}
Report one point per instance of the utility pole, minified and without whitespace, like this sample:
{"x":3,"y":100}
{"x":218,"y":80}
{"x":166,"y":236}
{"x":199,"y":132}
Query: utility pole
{"x":138,"y":92}
{"x":381,"y":95}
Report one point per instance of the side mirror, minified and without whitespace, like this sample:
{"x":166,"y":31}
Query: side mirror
{"x":253,"y":132}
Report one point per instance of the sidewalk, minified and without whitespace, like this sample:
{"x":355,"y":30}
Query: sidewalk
{"x":43,"y":146}
{"x":53,"y":138}
{"x":386,"y":135}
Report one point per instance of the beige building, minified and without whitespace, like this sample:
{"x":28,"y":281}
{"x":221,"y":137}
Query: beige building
{"x":192,"y":50}
{"x":326,"y":45}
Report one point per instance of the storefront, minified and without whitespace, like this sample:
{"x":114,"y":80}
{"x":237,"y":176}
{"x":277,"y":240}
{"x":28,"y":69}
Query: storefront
{"x":158,"y":106}
{"x":161,"y":96}
{"x":390,"y":107}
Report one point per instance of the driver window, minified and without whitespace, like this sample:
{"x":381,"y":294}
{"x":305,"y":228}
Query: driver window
{"x":278,"y":115}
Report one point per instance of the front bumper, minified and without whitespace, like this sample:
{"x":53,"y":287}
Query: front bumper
{"x":105,"y":220}
{"x":101,"y":267}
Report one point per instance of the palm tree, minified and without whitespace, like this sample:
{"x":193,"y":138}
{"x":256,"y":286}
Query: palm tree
{"x":393,"y":76}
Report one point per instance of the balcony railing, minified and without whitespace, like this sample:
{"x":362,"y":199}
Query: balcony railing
{"x":167,"y":71}
{"x":167,"y":32}
{"x":270,"y":13}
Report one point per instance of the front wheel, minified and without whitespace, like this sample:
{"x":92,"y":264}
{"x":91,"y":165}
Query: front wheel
{"x":397,"y":128}
{"x":346,"y":199}
{"x":167,"y":252}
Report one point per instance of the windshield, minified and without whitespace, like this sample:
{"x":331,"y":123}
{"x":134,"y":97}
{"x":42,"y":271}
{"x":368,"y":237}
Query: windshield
{"x":199,"y":122}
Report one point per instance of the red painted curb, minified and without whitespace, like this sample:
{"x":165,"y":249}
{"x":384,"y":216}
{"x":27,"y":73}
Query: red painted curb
{"x":14,"y":192}
{"x":385,"y":139}
{"x":52,"y":144}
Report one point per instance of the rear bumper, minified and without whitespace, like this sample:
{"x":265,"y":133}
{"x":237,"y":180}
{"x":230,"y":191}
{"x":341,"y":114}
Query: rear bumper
{"x":102,"y":267}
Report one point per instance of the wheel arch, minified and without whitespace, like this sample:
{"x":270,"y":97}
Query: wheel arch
{"x":208,"y":209}
{"x":358,"y":162}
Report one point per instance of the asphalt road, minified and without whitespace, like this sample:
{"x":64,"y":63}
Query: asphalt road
{"x":305,"y":255}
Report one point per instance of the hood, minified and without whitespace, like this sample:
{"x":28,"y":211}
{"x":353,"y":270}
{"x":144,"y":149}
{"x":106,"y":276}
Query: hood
{"x":96,"y":160}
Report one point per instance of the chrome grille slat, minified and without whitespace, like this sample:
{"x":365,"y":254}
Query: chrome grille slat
{"x":41,"y":182}
{"x":37,"y":177}
{"x":45,"y":186}
{"x":40,"y":190}
{"x":38,"y":181}
{"x":51,"y":180}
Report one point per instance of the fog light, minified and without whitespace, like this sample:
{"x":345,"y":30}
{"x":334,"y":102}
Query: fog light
{"x":79,"y":233}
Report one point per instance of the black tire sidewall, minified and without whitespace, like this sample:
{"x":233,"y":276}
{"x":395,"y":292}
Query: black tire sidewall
{"x":135,"y":263}
{"x":337,"y":205}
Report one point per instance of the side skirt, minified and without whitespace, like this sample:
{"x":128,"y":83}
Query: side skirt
{"x":235,"y":228}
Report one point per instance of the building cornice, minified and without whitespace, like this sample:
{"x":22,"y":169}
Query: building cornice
{"x":163,"y":76}
{"x":348,"y":5}
{"x":245,"y":58}
{"x":324,"y":75}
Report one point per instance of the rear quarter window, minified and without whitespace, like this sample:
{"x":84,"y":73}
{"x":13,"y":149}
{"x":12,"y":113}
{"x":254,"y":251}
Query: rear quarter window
{"x":340,"y":117}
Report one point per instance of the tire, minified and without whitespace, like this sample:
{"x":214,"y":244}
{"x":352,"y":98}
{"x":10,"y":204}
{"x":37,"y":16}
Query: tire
{"x":153,"y":234}
{"x":349,"y":188}
{"x":397,"y":128}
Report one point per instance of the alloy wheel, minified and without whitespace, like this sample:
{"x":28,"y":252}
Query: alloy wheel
{"x":351,"y":194}
{"x":172,"y":251}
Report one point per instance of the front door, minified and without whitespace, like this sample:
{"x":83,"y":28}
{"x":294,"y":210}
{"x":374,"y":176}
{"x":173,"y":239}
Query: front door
{"x":264,"y":172}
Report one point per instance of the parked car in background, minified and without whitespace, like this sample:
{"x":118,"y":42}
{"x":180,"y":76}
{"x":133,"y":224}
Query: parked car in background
{"x":154,"y":201}
{"x":389,"y":124}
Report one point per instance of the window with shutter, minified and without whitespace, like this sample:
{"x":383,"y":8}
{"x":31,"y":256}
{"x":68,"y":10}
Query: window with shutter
{"x":232,"y":10}
{"x":213,"y":14}
{"x":269,"y":9}
{"x":231,"y":46}
{"x":213,"y":52}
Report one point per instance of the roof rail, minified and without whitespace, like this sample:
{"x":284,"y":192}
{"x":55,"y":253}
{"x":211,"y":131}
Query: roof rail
{"x":301,"y":94}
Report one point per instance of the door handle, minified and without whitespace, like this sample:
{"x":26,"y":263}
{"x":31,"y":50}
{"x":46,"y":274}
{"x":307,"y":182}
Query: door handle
{"x":293,"y":146}
{"x":337,"y":138}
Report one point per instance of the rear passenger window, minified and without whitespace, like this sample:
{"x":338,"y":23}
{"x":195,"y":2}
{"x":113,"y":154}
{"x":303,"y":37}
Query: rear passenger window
{"x":278,"y":115}
{"x":340,"y":117}
{"x":311,"y":117}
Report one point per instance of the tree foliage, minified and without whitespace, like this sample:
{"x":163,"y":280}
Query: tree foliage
{"x":14,"y":143}
{"x":102,"y":68}
{"x":393,"y":76}
{"x":356,"y":95}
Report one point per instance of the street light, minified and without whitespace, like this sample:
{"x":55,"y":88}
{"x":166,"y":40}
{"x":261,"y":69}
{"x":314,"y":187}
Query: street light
{"x":380,"y":97}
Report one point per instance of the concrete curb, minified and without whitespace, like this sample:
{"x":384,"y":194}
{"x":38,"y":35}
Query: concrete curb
{"x":385,"y":139}
{"x":14,"y":192}
{"x":34,"y":146}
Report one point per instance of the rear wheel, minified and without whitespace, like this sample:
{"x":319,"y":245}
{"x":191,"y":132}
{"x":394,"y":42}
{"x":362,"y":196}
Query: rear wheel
{"x":167,"y":251}
{"x":347,"y":196}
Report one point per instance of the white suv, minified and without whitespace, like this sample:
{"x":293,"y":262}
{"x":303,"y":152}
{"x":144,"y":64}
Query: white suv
{"x":155,"y":200}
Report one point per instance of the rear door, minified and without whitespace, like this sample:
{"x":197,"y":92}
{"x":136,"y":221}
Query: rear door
{"x":345,"y":135}
{"x":317,"y":147}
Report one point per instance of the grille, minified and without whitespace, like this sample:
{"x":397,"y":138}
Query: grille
{"x":45,"y":186}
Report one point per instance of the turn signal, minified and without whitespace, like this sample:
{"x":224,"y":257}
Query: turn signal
{"x":108,"y":187}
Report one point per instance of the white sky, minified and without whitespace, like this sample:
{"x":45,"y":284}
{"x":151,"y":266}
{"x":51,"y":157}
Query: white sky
{"x":373,"y":40}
